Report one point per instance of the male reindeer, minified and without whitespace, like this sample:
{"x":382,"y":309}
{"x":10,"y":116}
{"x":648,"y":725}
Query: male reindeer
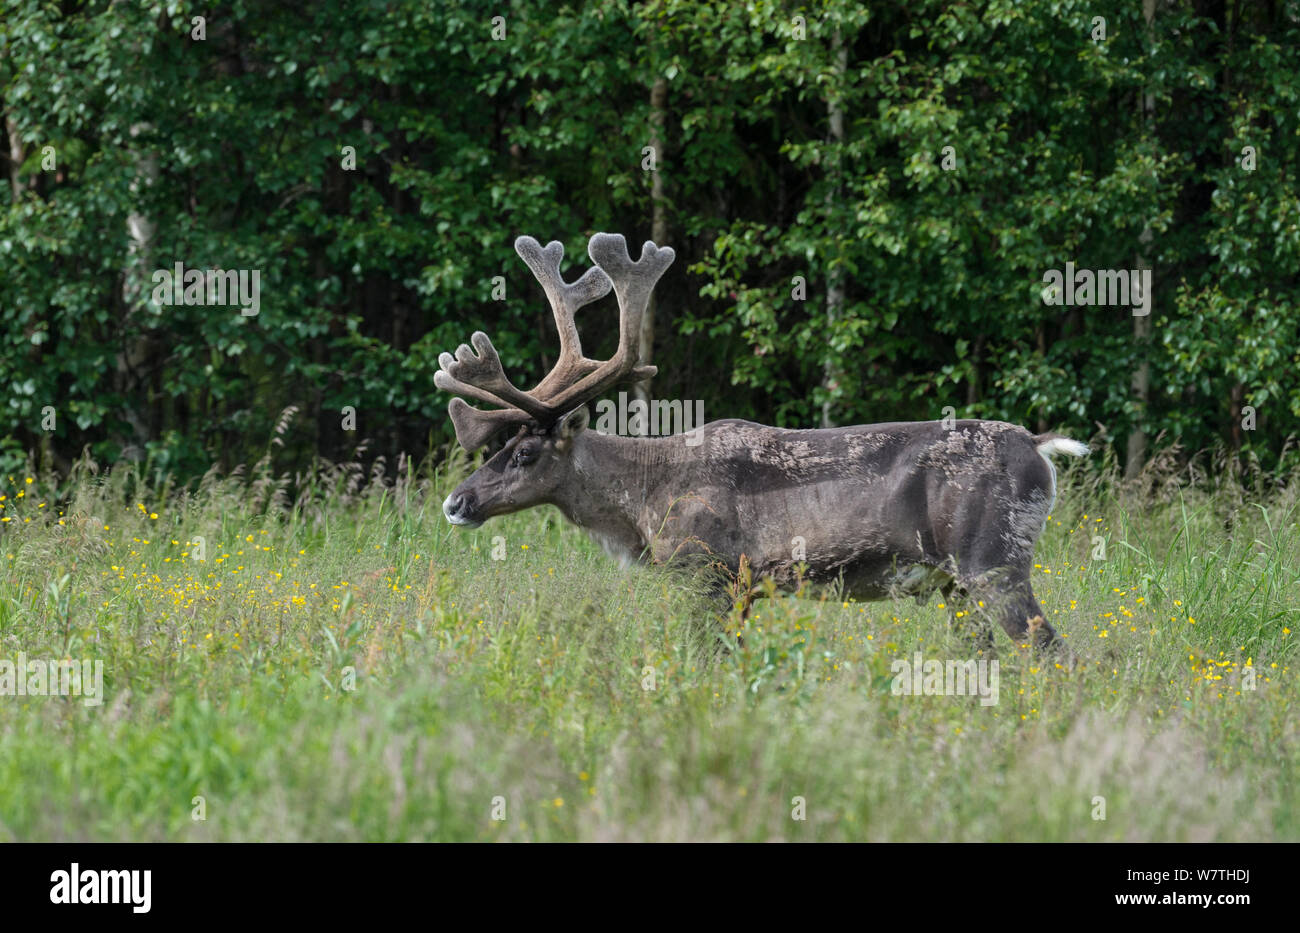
{"x":886,"y":509}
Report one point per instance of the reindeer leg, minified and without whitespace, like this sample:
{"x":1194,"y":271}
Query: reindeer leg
{"x":972,"y":627}
{"x":1010,"y":600}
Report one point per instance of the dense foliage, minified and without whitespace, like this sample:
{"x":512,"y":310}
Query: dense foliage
{"x":796,"y":141}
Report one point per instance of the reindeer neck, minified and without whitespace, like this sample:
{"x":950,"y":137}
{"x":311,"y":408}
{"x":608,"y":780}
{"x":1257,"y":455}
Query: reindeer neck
{"x":615,"y":479}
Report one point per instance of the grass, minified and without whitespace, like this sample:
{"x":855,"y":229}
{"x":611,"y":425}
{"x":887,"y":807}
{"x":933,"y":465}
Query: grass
{"x":343,"y":665}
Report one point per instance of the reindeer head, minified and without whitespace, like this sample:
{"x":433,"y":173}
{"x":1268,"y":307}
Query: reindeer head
{"x":549,"y":418}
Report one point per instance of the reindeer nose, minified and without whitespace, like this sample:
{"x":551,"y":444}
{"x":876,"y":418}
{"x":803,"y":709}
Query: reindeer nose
{"x":459,"y":506}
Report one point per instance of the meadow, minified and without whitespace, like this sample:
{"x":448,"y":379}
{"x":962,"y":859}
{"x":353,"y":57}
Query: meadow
{"x":328,"y":659}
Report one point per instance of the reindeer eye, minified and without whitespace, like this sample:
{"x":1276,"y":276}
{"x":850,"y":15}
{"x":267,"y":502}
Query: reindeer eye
{"x":525,"y":456}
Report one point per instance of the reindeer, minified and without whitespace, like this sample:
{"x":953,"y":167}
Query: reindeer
{"x":883,"y":510}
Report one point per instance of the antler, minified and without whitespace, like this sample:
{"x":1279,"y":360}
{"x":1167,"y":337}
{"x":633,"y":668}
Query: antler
{"x":575,"y":379}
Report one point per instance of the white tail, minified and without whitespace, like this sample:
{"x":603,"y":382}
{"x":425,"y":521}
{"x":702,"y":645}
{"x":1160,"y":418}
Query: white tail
{"x":1062,"y":445}
{"x":1058,"y":445}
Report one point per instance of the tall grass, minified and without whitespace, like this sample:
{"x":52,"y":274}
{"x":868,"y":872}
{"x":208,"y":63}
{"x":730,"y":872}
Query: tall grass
{"x":342,"y":664}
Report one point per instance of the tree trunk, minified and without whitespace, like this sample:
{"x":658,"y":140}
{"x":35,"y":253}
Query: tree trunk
{"x":835,"y":275}
{"x":17,"y":155}
{"x":1236,"y":396}
{"x":1141,"y":385}
{"x":658,"y":231}
{"x":975,"y":386}
{"x":133,"y":354}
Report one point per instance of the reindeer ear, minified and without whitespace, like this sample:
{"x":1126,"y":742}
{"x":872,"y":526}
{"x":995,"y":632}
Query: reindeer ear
{"x":571,"y":425}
